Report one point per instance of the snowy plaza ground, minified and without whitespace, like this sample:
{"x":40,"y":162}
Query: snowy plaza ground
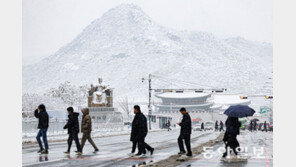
{"x":114,"y":149}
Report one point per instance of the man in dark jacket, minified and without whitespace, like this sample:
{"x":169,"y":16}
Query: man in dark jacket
{"x":73,"y":130}
{"x":216,"y":126}
{"x":169,"y":125}
{"x":265,"y":126}
{"x":134,"y":133}
{"x":86,"y":129}
{"x":43,"y":120}
{"x":260,"y":126}
{"x":185,"y":133}
{"x":255,"y":126}
{"x":221,"y":126}
{"x":202,"y":126}
{"x":139,"y":132}
{"x":251,"y":126}
{"x":232,"y":130}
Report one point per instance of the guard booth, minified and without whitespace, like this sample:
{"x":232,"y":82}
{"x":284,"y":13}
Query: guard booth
{"x":163,"y":120}
{"x":159,"y":121}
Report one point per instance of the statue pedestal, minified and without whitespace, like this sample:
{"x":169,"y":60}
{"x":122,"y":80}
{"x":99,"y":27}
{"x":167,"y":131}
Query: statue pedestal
{"x":91,"y":104}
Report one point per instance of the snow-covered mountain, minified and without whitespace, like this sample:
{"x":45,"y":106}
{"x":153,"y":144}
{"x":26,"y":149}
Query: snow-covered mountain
{"x":125,"y":45}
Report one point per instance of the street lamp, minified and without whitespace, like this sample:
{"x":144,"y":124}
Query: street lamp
{"x":149,"y":104}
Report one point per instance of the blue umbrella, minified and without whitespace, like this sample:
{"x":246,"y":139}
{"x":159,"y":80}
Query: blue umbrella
{"x":239,"y":111}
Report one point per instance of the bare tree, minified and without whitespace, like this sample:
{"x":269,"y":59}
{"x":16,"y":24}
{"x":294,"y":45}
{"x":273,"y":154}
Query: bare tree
{"x":124,"y":105}
{"x":69,"y":94}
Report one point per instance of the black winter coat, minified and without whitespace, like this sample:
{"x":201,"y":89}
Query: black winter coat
{"x":265,"y":126}
{"x":221,"y":124}
{"x":43,"y":119}
{"x":202,"y":126}
{"x":232,"y":125}
{"x":73,"y":123}
{"x":186,"y":124}
{"x":139,"y":127}
{"x":216,"y":125}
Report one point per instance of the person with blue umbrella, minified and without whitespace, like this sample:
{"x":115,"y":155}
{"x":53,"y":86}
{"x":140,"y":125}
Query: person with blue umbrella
{"x":233,"y":125}
{"x":239,"y":111}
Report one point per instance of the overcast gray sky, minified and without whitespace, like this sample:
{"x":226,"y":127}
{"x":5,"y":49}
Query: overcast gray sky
{"x":50,"y":24}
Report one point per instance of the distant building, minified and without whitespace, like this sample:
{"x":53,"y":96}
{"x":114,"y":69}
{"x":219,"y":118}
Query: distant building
{"x":203,"y":107}
{"x":197,"y":104}
{"x":173,"y":101}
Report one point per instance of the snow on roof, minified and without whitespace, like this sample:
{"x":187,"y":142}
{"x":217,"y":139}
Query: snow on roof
{"x":182,"y":95}
{"x":230,"y":100}
{"x":215,"y":106}
{"x":195,"y":105}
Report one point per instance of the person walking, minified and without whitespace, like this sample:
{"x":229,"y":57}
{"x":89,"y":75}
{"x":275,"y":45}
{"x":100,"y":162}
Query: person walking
{"x":86,"y":129}
{"x":271,"y":128}
{"x":230,"y":140}
{"x":135,"y":142}
{"x":265,"y":127}
{"x":43,"y":120}
{"x":73,"y":130}
{"x":134,"y":133}
{"x":221,"y":126}
{"x":251,"y":126}
{"x":185,"y":133}
{"x":169,"y":125}
{"x":216,"y":126}
{"x":255,"y":126}
{"x":260,"y":126}
{"x":202,"y":126}
{"x":139,"y":132}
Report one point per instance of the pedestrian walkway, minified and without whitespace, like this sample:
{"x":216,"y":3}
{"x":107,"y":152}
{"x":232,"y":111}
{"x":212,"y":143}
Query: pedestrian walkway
{"x":113,"y":150}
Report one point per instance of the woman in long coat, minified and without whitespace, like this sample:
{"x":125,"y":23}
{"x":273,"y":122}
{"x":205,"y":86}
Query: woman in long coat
{"x":232,"y":130}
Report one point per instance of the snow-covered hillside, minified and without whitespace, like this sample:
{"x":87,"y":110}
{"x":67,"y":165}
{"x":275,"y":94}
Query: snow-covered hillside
{"x":125,"y":45}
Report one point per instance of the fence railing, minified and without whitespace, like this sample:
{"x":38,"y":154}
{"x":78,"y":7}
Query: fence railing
{"x":29,"y":127}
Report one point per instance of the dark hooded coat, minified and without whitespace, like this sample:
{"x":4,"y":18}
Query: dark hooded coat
{"x":86,"y":122}
{"x":232,"y":130}
{"x":42,"y":119}
{"x":72,"y":124}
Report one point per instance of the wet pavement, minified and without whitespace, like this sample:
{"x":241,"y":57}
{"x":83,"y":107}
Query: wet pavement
{"x":113,"y":150}
{"x":259,"y":146}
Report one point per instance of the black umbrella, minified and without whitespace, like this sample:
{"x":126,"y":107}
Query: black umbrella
{"x":239,"y":111}
{"x":255,"y":119}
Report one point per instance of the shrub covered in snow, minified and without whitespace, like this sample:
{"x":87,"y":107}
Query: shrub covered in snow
{"x":56,"y":98}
